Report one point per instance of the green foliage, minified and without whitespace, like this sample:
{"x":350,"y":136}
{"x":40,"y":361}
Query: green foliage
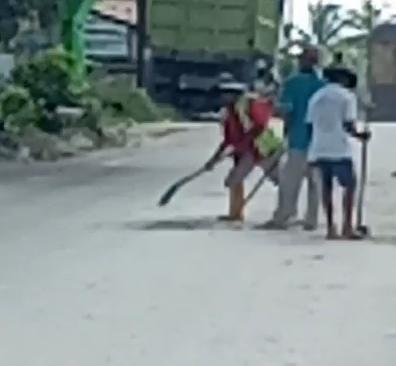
{"x":92,"y":112}
{"x":49,"y":78}
{"x":44,"y":83}
{"x":122,"y":100}
{"x":144,"y":109}
{"x":367,"y":18}
{"x":13,"y":99}
{"x":168,"y":112}
{"x":17,"y":108}
{"x":328,"y":23}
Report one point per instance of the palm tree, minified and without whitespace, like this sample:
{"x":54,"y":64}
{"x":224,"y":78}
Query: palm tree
{"x":365,"y":19}
{"x":327,"y":24}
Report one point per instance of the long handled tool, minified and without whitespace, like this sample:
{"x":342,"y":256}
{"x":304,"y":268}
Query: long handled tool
{"x":174,"y":188}
{"x":361,"y":227}
{"x":277,"y":157}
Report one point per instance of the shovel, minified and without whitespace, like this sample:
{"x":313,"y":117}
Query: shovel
{"x":363,"y":229}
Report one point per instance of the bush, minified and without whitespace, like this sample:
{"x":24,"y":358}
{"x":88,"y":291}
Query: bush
{"x":92,"y":113}
{"x":121,"y":99}
{"x":17,"y":108}
{"x":143,"y":109}
{"x":49,"y":78}
{"x":170,"y":113}
{"x":48,"y":81}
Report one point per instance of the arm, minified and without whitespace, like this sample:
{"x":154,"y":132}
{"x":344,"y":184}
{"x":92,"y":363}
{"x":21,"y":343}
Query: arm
{"x":310,"y":117}
{"x":285,"y":105}
{"x":350,"y":127}
{"x":350,"y":118}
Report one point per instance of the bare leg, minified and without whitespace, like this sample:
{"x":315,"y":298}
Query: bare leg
{"x":329,"y":211}
{"x":311,"y":218}
{"x":348,"y":231}
{"x":327,"y":198}
{"x":234,"y":182}
{"x":236,"y":200}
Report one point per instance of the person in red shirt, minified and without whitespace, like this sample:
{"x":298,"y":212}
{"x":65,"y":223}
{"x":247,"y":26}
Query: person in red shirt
{"x":245,"y":117}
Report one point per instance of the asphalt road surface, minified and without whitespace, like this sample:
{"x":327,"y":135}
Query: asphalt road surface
{"x":92,"y":273}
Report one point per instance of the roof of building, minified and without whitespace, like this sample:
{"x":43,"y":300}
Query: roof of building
{"x":384,"y":33}
{"x":122,"y":10}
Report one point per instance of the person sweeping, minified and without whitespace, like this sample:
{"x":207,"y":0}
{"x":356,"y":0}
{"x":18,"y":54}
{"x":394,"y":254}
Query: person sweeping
{"x":248,"y":140}
{"x":332,"y":114}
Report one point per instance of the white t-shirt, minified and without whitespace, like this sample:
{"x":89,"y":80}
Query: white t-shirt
{"x":329,"y":109}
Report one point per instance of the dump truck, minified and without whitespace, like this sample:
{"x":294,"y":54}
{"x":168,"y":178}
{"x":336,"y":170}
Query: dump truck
{"x":194,"y":43}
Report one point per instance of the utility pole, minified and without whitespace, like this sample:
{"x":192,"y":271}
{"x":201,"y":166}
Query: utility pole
{"x":142,"y":40}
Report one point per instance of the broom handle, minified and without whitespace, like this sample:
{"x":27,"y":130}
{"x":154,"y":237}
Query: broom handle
{"x":263,"y":178}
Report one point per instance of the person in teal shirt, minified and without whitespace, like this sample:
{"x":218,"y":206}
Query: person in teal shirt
{"x":295,"y":96}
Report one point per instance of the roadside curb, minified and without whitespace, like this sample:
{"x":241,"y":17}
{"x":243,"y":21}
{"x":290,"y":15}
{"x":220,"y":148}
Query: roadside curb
{"x":154,"y":131}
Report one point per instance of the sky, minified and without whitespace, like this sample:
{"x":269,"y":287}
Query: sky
{"x":300,"y":8}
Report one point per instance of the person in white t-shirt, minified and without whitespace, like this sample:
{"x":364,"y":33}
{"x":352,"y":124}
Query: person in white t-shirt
{"x":332,"y":114}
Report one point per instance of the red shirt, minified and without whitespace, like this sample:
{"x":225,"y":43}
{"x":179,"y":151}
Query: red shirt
{"x":235,"y":135}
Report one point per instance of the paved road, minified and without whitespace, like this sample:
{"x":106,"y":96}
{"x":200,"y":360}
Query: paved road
{"x":93,"y":274}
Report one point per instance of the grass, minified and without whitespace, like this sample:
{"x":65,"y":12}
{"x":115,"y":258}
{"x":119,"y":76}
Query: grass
{"x":122,"y":100}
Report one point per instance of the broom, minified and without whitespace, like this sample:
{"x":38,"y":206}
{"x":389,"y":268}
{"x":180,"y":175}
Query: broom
{"x":174,"y":188}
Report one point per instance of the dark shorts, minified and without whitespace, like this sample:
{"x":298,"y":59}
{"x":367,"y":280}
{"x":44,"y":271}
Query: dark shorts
{"x":341,"y":170}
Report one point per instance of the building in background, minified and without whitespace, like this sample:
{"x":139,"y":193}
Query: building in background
{"x":383,"y":72}
{"x":111,"y":36}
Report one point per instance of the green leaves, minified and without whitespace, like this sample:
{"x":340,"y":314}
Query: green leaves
{"x":17,"y":108}
{"x":367,"y":18}
{"x":327,"y":23}
{"x":49,"y":77}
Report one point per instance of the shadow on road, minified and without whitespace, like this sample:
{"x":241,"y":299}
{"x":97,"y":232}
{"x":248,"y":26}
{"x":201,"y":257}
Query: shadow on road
{"x":295,"y":234}
{"x":183,"y":224}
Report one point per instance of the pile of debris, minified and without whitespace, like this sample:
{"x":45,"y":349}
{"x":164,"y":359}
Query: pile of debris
{"x":34,"y":144}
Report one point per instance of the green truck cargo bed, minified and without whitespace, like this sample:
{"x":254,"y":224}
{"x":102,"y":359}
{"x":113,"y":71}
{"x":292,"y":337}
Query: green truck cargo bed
{"x":214,"y":25}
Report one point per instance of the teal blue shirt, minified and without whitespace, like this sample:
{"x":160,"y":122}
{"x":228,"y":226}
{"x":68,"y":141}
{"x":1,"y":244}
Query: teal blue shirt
{"x":295,"y":96}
